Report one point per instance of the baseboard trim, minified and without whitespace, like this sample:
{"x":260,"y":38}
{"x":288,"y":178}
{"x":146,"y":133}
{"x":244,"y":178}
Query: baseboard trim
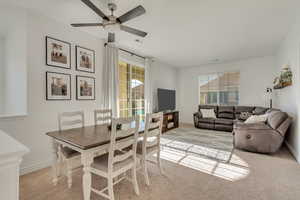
{"x":292,"y":150}
{"x":35,"y":167}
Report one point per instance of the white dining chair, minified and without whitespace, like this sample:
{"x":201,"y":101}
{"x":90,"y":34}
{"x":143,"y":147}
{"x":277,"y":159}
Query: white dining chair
{"x":149,"y":143}
{"x":118,"y":161}
{"x":68,"y":120}
{"x":103,"y":116}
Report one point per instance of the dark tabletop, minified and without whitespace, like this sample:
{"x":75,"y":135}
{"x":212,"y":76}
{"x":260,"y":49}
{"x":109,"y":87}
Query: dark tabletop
{"x":87,"y":137}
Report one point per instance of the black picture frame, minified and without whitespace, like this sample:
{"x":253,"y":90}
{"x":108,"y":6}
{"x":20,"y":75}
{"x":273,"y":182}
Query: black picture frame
{"x":78,"y":86}
{"x":78,"y":68}
{"x":47,"y":90}
{"x":48,"y":63}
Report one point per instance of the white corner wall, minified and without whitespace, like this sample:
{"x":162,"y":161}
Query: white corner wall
{"x":13,"y":29}
{"x":288,"y":98}
{"x":42,"y":114}
{"x":256,"y":74}
{"x":2,"y":72}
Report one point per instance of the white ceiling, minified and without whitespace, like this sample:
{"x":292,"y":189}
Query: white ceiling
{"x":191,"y":32}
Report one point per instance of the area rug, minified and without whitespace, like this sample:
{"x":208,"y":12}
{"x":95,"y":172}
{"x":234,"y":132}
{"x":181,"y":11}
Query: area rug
{"x":211,"y":144}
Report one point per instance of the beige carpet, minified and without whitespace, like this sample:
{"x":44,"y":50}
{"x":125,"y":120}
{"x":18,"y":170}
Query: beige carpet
{"x":248,"y":176}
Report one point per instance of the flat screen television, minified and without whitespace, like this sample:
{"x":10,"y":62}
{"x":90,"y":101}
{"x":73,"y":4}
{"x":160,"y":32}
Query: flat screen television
{"x":166,"y":99}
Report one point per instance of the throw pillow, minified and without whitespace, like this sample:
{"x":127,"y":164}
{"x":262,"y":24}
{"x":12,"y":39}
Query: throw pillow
{"x":257,"y":119}
{"x":245,"y":115}
{"x":208,"y":113}
{"x":259,"y":111}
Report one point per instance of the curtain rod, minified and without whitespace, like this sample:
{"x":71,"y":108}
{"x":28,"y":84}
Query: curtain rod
{"x":132,"y":53}
{"x":129,"y":52}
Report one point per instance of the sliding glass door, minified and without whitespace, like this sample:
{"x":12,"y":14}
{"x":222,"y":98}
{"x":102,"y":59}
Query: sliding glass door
{"x":131,"y":93}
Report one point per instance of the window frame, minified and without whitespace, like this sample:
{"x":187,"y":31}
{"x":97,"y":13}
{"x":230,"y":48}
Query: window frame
{"x":218,"y":93}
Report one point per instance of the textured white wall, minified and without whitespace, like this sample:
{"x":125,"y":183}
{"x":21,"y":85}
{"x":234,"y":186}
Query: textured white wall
{"x":256,"y":74}
{"x":163,"y":76}
{"x":288,"y":98}
{"x":14,"y":61}
{"x":16,"y":70}
{"x":42,"y":114}
{"x":2,"y":72}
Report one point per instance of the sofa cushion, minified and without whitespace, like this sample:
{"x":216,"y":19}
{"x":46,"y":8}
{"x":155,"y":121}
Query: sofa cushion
{"x":208,"y":107}
{"x":244,"y":116}
{"x":223,"y":127}
{"x":275,"y":118}
{"x":226,"y":112}
{"x":259,"y":111}
{"x":257,"y":119}
{"x":208,"y":113}
{"x":207,"y":120}
{"x":224,"y":121}
{"x":242,"y":109}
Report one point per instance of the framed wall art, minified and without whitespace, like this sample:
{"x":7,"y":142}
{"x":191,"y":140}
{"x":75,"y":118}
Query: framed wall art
{"x":85,"y":59}
{"x":85,"y":88}
{"x":58,"y":86}
{"x":58,"y":53}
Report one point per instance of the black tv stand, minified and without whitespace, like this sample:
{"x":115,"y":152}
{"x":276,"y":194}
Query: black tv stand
{"x":171,"y":120}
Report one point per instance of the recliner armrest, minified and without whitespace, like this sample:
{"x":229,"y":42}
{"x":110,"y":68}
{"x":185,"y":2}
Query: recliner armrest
{"x":198,"y":115}
{"x":254,"y":126}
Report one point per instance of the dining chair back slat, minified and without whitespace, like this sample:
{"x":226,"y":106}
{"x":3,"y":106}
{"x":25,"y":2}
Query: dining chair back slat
{"x":131,"y":140}
{"x":121,"y":156}
{"x":67,"y":120}
{"x":150,"y":142}
{"x":153,"y":128}
{"x":103,"y":116}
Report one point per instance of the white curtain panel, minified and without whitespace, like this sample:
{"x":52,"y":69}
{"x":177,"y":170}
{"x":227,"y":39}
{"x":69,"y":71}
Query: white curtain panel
{"x":148,"y":88}
{"x":110,"y":85}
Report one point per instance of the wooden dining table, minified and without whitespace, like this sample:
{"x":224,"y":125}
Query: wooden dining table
{"x":90,"y":141}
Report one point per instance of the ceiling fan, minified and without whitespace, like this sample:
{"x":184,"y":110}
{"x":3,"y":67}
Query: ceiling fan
{"x":112,"y":23}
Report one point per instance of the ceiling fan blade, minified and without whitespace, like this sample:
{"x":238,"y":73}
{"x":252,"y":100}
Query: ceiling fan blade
{"x":133,"y":31}
{"x":111,"y":37}
{"x":95,"y":9}
{"x":138,"y":11}
{"x":86,"y":24}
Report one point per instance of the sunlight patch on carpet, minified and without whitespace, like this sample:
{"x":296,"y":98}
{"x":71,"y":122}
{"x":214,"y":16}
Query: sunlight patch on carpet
{"x":228,"y":171}
{"x":207,"y":152}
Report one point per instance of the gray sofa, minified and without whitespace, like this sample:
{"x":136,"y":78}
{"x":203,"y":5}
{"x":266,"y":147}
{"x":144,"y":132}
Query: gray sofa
{"x":257,"y":137}
{"x":226,"y":115}
{"x":262,"y":137}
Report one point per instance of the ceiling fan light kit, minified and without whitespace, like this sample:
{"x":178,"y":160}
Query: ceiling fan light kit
{"x":114,"y":24}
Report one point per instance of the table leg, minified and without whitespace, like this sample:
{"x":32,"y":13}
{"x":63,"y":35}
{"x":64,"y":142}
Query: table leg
{"x":86,"y":160}
{"x":56,"y":162}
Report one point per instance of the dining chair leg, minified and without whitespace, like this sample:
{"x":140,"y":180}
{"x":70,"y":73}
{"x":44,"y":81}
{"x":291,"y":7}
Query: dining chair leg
{"x":86,"y":160}
{"x":159,"y":163}
{"x":69,"y":173}
{"x":111,"y":188}
{"x":134,"y":181}
{"x":56,"y":166}
{"x":145,"y":171}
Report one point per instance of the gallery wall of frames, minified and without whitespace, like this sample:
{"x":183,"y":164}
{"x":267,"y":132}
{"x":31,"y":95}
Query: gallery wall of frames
{"x":58,"y":84}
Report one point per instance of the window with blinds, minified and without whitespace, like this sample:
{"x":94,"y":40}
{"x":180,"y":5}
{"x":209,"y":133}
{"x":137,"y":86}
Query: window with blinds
{"x":220,"y":88}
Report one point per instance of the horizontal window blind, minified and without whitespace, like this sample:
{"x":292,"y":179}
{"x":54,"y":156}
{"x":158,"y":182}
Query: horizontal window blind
{"x":219,"y":88}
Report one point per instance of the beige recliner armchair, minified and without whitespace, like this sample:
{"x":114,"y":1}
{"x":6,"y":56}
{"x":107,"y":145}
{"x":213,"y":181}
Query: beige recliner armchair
{"x":262,"y":137}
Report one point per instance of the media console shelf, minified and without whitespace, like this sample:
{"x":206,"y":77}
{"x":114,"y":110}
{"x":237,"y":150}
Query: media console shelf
{"x":171,"y":121}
